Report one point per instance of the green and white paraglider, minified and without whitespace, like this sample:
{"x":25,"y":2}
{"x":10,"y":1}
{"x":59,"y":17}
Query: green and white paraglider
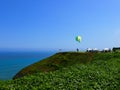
{"x":78,"y":38}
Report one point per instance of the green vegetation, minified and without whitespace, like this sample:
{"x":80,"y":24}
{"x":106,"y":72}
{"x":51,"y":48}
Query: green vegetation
{"x":56,"y":62}
{"x":86,"y":71}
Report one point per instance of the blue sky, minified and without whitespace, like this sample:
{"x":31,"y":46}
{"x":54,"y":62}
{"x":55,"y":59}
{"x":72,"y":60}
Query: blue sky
{"x":54,"y":24}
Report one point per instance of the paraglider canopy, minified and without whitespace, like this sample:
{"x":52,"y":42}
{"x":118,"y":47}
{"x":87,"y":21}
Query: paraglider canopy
{"x":78,"y":38}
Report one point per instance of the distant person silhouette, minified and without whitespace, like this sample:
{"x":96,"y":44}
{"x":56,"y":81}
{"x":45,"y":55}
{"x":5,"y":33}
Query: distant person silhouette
{"x":77,"y":50}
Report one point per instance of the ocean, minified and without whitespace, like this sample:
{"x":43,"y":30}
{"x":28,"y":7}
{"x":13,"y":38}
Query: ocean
{"x":12,"y":62}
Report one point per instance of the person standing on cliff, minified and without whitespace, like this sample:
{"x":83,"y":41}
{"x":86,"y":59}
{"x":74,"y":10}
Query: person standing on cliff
{"x":77,"y":50}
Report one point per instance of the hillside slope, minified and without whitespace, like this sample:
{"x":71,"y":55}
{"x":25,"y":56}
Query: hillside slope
{"x":64,"y":59}
{"x":103,"y":73}
{"x":56,"y":62}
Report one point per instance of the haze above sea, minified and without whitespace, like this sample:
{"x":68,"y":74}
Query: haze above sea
{"x":12,"y":62}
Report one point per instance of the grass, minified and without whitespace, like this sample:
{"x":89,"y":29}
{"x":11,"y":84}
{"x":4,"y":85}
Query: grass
{"x":56,"y":62}
{"x":99,"y":71}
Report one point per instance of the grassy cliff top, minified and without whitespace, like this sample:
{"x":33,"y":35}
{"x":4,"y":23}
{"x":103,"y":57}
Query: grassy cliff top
{"x":72,"y":71}
{"x":63,"y":59}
